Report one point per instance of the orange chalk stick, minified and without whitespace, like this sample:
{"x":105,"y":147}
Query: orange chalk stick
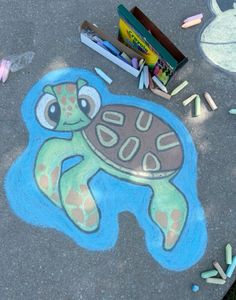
{"x":191,"y":23}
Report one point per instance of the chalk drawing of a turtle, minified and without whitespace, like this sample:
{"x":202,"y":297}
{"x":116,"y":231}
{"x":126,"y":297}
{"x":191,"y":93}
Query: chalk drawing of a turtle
{"x":124,"y":141}
{"x":218,"y":39}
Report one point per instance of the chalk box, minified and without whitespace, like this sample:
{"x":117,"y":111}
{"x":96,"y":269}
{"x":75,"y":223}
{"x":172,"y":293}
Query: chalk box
{"x":87,"y":41}
{"x":137,"y":31}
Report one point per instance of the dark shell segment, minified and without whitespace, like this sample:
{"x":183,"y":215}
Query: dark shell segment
{"x":135,"y":141}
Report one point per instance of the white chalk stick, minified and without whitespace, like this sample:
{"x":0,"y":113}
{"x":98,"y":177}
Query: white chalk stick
{"x":219,"y":269}
{"x":146,"y":76}
{"x":228,"y":254}
{"x":159,"y":84}
{"x":158,"y":92}
{"x":215,"y":280}
{"x":210,"y":101}
{"x":141,"y":81}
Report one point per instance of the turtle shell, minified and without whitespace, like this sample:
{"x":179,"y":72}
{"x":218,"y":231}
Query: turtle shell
{"x":134,"y":141}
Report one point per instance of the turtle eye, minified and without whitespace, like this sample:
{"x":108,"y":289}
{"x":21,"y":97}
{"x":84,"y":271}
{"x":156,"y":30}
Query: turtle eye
{"x":48,"y":111}
{"x":89,"y":101}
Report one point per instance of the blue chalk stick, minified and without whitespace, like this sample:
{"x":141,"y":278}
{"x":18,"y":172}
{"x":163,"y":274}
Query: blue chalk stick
{"x":122,"y":58}
{"x":141,"y":81}
{"x":101,"y":45}
{"x":231,"y":268}
{"x":195,"y":288}
{"x":111,"y":48}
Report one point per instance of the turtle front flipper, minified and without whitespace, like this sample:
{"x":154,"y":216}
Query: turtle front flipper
{"x":76,"y":197}
{"x":168,"y":209}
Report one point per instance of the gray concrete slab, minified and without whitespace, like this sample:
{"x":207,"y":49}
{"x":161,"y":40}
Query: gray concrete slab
{"x":38,"y":263}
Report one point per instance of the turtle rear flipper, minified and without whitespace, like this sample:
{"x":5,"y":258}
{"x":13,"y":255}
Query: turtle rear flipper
{"x":168,"y":209}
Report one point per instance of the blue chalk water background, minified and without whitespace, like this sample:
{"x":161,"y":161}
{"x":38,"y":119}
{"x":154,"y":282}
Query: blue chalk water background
{"x":112,"y":195}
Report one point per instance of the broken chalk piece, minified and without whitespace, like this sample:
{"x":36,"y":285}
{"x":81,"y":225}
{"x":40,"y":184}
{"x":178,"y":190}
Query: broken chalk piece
{"x":198,"y":16}
{"x":197,"y":106}
{"x":126,"y":57}
{"x":208,"y":274}
{"x":159,"y":84}
{"x":179,"y":88}
{"x":141,"y":81}
{"x":134,"y":62}
{"x":103,"y":75}
{"x":228,"y":254}
{"x":215,"y":280}
{"x":195,"y":288}
{"x":111,"y":48}
{"x":151,"y":83}
{"x":191,"y":23}
{"x":231,"y":268}
{"x":210,"y":101}
{"x":232,"y":111}
{"x":146,"y":76}
{"x":219,"y":269}
{"x":158,"y":92}
{"x":189,"y":99}
{"x":2,"y":67}
{"x":6,"y":71}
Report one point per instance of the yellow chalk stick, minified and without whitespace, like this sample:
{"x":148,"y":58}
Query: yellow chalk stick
{"x":189,"y":99}
{"x":158,"y":92}
{"x":197,"y":106}
{"x":179,"y":88}
{"x":219,"y":269}
{"x":191,"y":23}
{"x":210,"y":101}
{"x":228,"y":254}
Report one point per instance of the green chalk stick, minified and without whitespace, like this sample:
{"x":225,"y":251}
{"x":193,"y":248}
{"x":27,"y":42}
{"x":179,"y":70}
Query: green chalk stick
{"x":197,"y":106}
{"x":179,"y":88}
{"x":228,"y":254}
{"x":232,"y":111}
{"x":215,"y":280}
{"x":208,"y":274}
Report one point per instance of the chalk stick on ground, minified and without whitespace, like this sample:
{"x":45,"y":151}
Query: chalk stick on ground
{"x":195,"y":288}
{"x":141,"y":81}
{"x":6,"y":71}
{"x":208,"y":274}
{"x":179,"y":88}
{"x":146,"y":76}
{"x":197,"y":110}
{"x":2,"y":67}
{"x":189,"y":99}
{"x":103,"y":75}
{"x":232,"y":111}
{"x":228,"y":254}
{"x":219,"y":269}
{"x":158,"y":92}
{"x":191,"y":23}
{"x":231,"y":268}
{"x":198,"y":16}
{"x":159,"y":84}
{"x":215,"y":280}
{"x":210,"y":101}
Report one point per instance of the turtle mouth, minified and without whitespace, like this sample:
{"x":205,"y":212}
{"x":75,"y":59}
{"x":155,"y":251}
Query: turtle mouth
{"x":74,"y":123}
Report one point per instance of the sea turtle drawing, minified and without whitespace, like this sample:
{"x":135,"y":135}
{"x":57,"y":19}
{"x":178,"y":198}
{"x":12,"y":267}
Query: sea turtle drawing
{"x":218,"y":38}
{"x":127,"y":142}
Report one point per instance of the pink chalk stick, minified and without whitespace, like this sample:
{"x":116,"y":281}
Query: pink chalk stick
{"x":2,"y":68}
{"x":6,"y":71}
{"x":199,"y":16}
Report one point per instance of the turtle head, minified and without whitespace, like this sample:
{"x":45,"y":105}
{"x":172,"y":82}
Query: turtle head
{"x":218,"y":39}
{"x":68,"y":106}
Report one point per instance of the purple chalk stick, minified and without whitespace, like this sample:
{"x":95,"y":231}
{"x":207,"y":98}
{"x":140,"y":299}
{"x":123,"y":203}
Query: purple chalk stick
{"x":199,"y":16}
{"x":134,"y":62}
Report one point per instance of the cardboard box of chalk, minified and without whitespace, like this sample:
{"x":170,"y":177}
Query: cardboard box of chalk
{"x":113,"y":58}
